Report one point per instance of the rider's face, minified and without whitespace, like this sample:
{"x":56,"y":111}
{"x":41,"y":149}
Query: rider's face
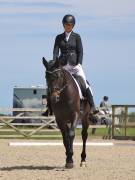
{"x":68,"y":27}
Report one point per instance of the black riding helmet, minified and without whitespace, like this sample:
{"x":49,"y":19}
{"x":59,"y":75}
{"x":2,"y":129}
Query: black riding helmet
{"x":106,"y":98}
{"x":68,"y":19}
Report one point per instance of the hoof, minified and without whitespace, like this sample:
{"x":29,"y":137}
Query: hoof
{"x":83,"y":164}
{"x":69,"y":165}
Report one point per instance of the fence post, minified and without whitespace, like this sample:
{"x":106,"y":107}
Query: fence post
{"x":126,"y":114}
{"x":113,"y":117}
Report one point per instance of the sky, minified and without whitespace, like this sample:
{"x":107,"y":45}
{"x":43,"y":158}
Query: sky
{"x":107,"y":28}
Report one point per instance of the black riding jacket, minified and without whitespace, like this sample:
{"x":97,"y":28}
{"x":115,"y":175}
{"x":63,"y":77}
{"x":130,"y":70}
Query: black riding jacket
{"x":70,"y":51}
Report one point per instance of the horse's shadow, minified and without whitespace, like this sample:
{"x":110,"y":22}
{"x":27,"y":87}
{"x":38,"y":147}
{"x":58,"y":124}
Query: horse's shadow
{"x":13,"y":168}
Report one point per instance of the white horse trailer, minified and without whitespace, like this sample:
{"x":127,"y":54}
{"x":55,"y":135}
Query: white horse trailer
{"x":29,"y":97}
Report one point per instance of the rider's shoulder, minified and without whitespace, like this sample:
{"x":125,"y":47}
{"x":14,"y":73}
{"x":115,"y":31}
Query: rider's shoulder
{"x":60,"y":35}
{"x":76,"y":34}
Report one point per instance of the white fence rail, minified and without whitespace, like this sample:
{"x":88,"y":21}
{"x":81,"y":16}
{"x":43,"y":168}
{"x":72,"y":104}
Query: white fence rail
{"x":8,"y":121}
{"x":8,"y":126}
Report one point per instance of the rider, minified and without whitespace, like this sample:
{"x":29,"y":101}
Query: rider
{"x":69,"y":50}
{"x":105,"y":105}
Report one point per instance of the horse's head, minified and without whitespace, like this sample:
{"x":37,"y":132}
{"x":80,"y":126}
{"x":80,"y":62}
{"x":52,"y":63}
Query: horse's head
{"x":54,"y":78}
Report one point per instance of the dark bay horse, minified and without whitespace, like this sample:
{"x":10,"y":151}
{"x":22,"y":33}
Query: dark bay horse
{"x":65,"y":103}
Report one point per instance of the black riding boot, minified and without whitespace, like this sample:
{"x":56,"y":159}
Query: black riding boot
{"x":91,"y":101}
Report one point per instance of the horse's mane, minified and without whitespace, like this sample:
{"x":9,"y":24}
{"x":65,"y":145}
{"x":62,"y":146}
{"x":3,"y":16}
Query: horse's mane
{"x":54,"y":66}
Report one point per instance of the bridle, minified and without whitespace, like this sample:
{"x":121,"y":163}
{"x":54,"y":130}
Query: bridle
{"x":64,"y":86}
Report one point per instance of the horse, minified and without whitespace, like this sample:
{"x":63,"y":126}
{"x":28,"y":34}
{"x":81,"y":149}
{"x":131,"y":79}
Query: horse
{"x":65,"y":102}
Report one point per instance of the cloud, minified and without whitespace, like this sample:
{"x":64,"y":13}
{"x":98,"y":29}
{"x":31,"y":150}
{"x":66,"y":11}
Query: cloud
{"x":32,"y":1}
{"x":32,"y":4}
{"x":105,"y":7}
{"x":28,"y":10}
{"x":85,"y":7}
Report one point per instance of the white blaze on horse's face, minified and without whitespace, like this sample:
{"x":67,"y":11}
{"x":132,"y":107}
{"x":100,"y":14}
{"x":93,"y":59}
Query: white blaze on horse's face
{"x":55,"y":96}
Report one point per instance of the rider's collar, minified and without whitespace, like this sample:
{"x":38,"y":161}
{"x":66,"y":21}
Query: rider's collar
{"x":67,"y":34}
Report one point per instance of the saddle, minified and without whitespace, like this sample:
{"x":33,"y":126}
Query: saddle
{"x":81,"y":84}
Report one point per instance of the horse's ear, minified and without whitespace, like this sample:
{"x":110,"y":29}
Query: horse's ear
{"x":45,"y":63}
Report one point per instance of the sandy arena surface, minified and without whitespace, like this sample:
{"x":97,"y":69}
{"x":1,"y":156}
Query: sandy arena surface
{"x":47,"y":163}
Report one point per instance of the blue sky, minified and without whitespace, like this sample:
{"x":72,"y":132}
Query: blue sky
{"x":107,"y":27}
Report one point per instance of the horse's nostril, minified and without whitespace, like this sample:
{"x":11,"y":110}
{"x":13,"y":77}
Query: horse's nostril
{"x":58,"y":98}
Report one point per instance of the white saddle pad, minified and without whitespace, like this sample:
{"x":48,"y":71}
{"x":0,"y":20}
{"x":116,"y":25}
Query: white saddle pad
{"x":79,"y":89}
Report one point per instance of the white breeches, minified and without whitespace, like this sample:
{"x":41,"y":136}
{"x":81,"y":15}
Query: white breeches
{"x":78,"y":70}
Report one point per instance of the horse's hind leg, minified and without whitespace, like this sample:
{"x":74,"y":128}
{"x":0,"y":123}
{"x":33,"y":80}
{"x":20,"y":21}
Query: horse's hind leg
{"x":85,"y":126}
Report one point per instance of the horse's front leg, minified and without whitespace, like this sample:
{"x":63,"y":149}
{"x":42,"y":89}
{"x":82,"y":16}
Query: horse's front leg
{"x":68,"y":137}
{"x":71,"y":134}
{"x":85,"y":126}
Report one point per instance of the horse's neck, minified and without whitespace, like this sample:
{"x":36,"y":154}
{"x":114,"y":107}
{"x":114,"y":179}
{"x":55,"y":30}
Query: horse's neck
{"x":69,"y":81}
{"x":68,"y":77}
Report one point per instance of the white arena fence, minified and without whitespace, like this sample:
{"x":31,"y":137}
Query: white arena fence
{"x":123,"y":120}
{"x":35,"y":124}
{"x":32,"y":118}
{"x":29,"y":123}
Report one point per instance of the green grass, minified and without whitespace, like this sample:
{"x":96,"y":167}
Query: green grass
{"x":129,"y":132}
{"x":100,"y":132}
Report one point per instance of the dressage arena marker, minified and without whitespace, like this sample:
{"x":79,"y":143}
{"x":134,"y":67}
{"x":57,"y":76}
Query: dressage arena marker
{"x":58,"y":144}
